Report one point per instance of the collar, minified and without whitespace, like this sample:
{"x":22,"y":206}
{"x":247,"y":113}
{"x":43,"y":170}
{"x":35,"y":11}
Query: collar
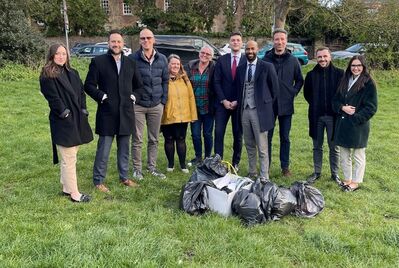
{"x":253,"y":63}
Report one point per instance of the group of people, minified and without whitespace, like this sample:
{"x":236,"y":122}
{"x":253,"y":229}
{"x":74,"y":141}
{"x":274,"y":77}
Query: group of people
{"x":148,"y":89}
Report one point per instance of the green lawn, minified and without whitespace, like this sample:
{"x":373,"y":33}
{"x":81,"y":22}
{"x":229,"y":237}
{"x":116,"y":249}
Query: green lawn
{"x":144,"y":227}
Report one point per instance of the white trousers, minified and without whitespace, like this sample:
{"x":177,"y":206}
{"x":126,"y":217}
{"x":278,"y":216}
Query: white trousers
{"x":359,"y":167}
{"x":68,"y":176}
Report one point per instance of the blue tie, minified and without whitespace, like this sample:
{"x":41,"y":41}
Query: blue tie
{"x":250,"y":72}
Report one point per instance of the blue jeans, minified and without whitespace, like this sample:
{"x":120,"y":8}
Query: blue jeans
{"x":102,"y":155}
{"x":204,"y":122}
{"x":284,"y":128}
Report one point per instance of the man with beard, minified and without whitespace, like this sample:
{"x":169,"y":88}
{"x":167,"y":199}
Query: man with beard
{"x":257,"y":86}
{"x":113,"y":81}
{"x":290,"y":82}
{"x":321,"y":84}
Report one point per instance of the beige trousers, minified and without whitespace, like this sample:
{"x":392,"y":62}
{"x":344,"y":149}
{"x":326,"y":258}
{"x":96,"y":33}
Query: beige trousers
{"x":359,"y":167}
{"x":68,"y":176}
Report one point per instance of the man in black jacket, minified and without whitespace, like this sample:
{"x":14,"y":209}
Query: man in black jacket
{"x":113,"y":81}
{"x":153,"y":67}
{"x":320,"y":86}
{"x":290,"y":79}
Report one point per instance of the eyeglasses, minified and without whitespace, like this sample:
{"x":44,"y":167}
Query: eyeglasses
{"x":204,"y":53}
{"x":356,"y":65}
{"x":145,"y":37}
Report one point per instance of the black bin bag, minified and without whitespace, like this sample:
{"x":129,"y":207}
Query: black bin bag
{"x":310,"y":200}
{"x":284,"y":203}
{"x":247,"y":206}
{"x":210,"y":169}
{"x":194,"y":197}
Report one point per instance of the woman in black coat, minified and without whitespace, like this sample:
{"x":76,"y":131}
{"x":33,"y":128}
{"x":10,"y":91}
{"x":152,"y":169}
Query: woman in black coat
{"x":355,"y":103}
{"x":63,"y":89}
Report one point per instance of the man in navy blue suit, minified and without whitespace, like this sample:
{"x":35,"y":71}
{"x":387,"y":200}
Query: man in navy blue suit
{"x":226,"y":98}
{"x":257,"y":86}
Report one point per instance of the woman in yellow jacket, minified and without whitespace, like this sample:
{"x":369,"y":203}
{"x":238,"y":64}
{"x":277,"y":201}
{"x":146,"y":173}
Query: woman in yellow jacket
{"x":180,"y":109}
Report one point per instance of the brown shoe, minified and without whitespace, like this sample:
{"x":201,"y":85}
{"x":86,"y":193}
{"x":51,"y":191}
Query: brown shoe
{"x":129,"y":183}
{"x":102,"y":188}
{"x":286,"y":172}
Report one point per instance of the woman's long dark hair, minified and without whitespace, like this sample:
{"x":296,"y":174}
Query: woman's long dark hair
{"x":363,"y":79}
{"x":51,"y":69}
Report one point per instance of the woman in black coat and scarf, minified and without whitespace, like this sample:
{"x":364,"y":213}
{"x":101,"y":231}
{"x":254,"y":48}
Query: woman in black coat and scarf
{"x":355,"y":103}
{"x":69,"y":126}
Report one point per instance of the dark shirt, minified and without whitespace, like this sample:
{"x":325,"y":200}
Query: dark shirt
{"x":200,"y":84}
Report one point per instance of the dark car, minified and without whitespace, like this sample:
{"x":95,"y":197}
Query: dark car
{"x":78,"y":46}
{"x":91,"y":51}
{"x":297,"y":50}
{"x":185,"y":46}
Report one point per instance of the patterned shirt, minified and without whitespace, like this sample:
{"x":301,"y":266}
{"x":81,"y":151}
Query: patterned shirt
{"x":200,"y":87}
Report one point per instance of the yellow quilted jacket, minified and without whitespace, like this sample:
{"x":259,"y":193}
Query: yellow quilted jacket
{"x":180,"y":106}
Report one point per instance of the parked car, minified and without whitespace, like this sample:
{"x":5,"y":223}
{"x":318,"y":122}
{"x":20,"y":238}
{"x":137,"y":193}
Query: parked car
{"x":226,"y":49}
{"x":91,"y":51}
{"x":78,"y":46}
{"x":348,"y":53}
{"x":297,"y":50}
{"x":126,"y":50}
{"x":187,"y":47}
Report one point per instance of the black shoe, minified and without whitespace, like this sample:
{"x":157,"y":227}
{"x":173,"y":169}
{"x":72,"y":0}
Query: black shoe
{"x":195,"y":162}
{"x":84,"y":198}
{"x":335,"y":178}
{"x":314,"y":177}
{"x":252,"y":176}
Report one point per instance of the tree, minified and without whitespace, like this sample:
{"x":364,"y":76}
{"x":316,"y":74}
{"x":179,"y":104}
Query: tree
{"x":85,"y":16}
{"x":18,"y":41}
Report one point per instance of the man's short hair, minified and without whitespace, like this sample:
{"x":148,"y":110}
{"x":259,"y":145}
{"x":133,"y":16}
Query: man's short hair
{"x":114,"y":31}
{"x":323,"y":48}
{"x":235,"y":33}
{"x":280,"y":30}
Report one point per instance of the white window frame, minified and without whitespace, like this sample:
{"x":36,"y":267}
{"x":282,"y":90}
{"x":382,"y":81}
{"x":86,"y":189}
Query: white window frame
{"x":126,"y":9}
{"x":105,"y":6}
{"x":166,"y":5}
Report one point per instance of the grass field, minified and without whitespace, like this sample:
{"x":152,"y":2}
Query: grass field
{"x":144,"y":228}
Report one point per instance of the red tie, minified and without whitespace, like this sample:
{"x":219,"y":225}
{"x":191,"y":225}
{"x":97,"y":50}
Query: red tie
{"x":234,"y":67}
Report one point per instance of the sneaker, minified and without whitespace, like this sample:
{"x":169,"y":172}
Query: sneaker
{"x":156,"y":173}
{"x":185,"y":170}
{"x":286,"y":172}
{"x":194,"y":162}
{"x":138,"y":175}
{"x":236,"y":167}
{"x":102,"y":188}
{"x":170,"y":169}
{"x":336,"y":179}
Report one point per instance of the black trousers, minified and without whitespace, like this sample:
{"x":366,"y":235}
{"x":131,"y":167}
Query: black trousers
{"x":222,"y":117}
{"x":175,"y":134}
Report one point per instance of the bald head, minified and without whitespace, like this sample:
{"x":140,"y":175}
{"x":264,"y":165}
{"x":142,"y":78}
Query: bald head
{"x":251,"y":50}
{"x":147,"y":40}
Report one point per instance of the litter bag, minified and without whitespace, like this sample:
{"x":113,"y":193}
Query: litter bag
{"x":310,"y":201}
{"x":194,"y":197}
{"x":284,"y":203}
{"x":210,"y":169}
{"x":267,"y":192}
{"x":247,"y":206}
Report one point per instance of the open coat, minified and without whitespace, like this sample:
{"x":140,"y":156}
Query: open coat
{"x":320,"y":87}
{"x":352,"y":131}
{"x":115,"y":115}
{"x":266,"y":87}
{"x":68,"y":115}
